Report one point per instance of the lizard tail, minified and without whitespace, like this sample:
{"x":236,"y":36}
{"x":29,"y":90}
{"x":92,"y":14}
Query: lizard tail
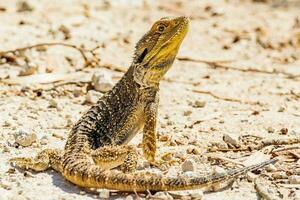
{"x":81,"y":171}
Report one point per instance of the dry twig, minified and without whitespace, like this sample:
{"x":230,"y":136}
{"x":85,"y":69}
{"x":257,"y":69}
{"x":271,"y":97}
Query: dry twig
{"x":219,"y":65}
{"x":80,"y":50}
{"x":285,"y":149}
{"x":226,"y":98}
{"x":264,"y":143}
{"x":220,"y":157}
{"x":291,"y":93}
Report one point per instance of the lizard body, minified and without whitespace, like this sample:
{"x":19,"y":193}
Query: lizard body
{"x":97,"y":143}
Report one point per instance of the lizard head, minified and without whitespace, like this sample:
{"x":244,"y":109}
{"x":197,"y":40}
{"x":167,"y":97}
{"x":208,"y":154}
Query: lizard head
{"x":157,"y":49}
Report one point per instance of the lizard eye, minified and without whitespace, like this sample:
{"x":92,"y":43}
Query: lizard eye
{"x":161,"y":28}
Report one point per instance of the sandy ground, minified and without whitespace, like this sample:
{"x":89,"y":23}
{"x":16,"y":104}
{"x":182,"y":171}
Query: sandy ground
{"x":250,"y":106}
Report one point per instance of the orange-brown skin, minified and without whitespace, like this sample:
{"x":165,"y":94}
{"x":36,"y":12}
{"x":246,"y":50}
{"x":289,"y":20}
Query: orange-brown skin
{"x":98,"y":141}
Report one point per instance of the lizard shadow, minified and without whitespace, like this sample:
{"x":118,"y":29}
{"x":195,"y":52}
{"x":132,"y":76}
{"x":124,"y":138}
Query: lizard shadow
{"x":68,"y":187}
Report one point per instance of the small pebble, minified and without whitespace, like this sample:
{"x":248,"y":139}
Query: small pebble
{"x":143,"y":164}
{"x":270,"y":130}
{"x":103,"y":194}
{"x":5,"y":185}
{"x":8,"y":123}
{"x":24,"y":6}
{"x":180,"y":153}
{"x":188,"y":165}
{"x":284,"y":131}
{"x":231,"y":139}
{"x":44,"y":140}
{"x":220,"y":145}
{"x":222,"y":121}
{"x":24,"y":138}
{"x":163,"y":138}
{"x":66,"y":32}
{"x":59,"y":135}
{"x":193,"y":150}
{"x":162,"y":195}
{"x":279,"y":175}
{"x":129,"y":197}
{"x":54,"y":104}
{"x":294,"y":179}
{"x":28,"y":70}
{"x":190,"y":174}
{"x":82,"y":192}
{"x":197,"y":194}
{"x":92,"y":96}
{"x":251,"y":176}
{"x":187,"y":113}
{"x":69,"y":122}
{"x":281,"y":109}
{"x":172,"y":172}
{"x":102,"y":82}
{"x":183,"y":195}
{"x":271,"y":168}
{"x":199,"y":104}
{"x":218,"y":170}
{"x":5,"y":148}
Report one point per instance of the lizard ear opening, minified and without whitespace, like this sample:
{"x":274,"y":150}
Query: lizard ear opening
{"x":142,"y":56}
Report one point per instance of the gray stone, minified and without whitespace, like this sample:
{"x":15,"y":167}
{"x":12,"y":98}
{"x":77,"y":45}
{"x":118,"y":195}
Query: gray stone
{"x":251,"y":177}
{"x":218,"y":170}
{"x":24,"y":138}
{"x":188,"y":165}
{"x":279,"y":175}
{"x":92,"y":96}
{"x":270,"y":130}
{"x":54,"y":104}
{"x":271,"y":168}
{"x":129,"y":197}
{"x":231,"y":139}
{"x":102,"y":82}
{"x":197,"y":194}
{"x":199,"y":104}
{"x":162,"y":195}
{"x":103,"y":194}
{"x":44,"y":140}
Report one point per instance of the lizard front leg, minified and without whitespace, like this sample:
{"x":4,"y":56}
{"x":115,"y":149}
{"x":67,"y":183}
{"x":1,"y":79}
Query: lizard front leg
{"x":149,"y":132}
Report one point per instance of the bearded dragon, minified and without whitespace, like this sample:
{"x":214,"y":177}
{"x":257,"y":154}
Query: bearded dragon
{"x":97,"y":143}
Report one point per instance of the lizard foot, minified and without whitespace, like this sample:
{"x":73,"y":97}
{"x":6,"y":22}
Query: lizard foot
{"x":43,"y":161}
